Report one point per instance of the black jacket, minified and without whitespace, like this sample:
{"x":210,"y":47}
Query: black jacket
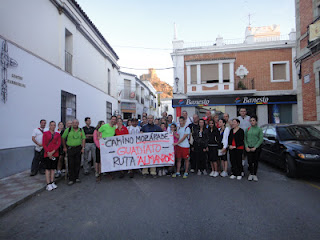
{"x":200,"y":140}
{"x":238,"y":137}
{"x":214,"y":137}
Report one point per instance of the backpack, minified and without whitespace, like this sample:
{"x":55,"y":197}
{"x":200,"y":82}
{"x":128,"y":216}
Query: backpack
{"x":69,"y":129}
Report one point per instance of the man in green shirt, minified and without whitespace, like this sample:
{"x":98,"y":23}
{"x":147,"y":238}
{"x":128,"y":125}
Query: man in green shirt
{"x":108,"y":129}
{"x":74,"y":147}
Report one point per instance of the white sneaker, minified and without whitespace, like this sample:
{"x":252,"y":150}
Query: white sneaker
{"x":250,"y":178}
{"x":242,"y":174}
{"x":192,"y":170}
{"x":211,"y":174}
{"x":54,"y":186}
{"x":160,"y":173}
{"x":205,"y":172}
{"x":224,"y":174}
{"x":216,"y":174}
{"x":239,"y":177}
{"x":232,"y":177}
{"x":199,"y":173}
{"x":49,"y":187}
{"x":255,"y":178}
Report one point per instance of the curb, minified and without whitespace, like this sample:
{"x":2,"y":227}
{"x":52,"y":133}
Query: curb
{"x":26,"y":198}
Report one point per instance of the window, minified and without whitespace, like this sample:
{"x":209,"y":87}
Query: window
{"x":109,"y":82}
{"x":127,"y":89}
{"x":68,"y":51}
{"x":226,"y":72}
{"x":280,"y":71}
{"x":68,"y":107}
{"x":210,"y":73}
{"x":271,"y":132}
{"x":193,"y":74}
{"x":108,"y":111}
{"x":142,"y":95}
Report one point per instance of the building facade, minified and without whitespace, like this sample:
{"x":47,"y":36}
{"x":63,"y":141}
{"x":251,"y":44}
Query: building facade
{"x":135,"y":97}
{"x":308,"y":60}
{"x":56,"y":65}
{"x":257,"y":73}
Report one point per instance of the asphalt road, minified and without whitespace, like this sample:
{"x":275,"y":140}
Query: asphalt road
{"x":199,"y":207}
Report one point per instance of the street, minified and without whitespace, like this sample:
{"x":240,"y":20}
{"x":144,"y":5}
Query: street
{"x":199,"y":207}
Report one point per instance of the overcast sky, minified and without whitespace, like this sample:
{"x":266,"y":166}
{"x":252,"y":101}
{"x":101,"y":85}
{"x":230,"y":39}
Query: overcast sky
{"x":129,"y":25}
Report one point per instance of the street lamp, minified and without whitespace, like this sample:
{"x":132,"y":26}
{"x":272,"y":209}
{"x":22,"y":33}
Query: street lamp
{"x":177,"y":84}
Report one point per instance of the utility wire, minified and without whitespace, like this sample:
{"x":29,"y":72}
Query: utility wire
{"x":167,"y":68}
{"x":149,"y":48}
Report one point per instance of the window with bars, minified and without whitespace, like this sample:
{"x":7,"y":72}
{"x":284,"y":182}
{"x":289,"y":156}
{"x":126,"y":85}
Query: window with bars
{"x":108,"y":110}
{"x":68,"y":106}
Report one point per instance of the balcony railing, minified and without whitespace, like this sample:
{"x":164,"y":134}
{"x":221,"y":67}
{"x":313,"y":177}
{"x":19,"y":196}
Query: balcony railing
{"x":244,"y":84}
{"x":68,"y":62}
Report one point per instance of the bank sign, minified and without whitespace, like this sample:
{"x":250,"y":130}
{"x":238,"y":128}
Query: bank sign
{"x":230,"y":100}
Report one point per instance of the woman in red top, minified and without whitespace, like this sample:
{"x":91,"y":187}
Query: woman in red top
{"x":51,"y":142}
{"x":122,"y":130}
{"x":236,"y":146}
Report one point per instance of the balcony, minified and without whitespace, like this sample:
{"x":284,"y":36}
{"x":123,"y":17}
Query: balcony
{"x":226,"y":87}
{"x":68,"y":62}
{"x":244,"y":84}
{"x":210,"y":88}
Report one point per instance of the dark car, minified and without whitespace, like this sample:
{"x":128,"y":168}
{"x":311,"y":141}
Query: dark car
{"x":293,"y":147}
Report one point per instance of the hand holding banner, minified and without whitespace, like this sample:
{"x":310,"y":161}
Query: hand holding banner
{"x":143,"y":150}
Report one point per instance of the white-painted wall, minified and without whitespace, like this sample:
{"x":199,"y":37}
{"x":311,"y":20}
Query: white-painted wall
{"x":42,"y":98}
{"x":38,"y":27}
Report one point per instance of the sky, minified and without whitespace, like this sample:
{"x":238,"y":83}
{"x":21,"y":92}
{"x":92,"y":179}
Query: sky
{"x":132,"y":26}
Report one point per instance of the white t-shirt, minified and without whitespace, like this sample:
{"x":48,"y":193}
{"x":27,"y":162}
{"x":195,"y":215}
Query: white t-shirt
{"x":244,"y":122}
{"x":188,"y":121}
{"x":38,"y":136}
{"x":134,"y":130}
{"x":182,"y":131}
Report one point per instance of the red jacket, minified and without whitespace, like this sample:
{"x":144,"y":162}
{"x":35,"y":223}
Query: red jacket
{"x":53,"y":145}
{"x":122,"y":131}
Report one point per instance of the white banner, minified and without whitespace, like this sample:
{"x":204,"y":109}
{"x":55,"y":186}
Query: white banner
{"x":143,"y":150}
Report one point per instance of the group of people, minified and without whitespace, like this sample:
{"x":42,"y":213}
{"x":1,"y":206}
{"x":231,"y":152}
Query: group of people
{"x":200,"y":145}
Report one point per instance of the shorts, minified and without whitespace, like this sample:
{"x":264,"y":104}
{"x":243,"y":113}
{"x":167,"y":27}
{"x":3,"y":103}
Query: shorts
{"x":223,"y":157}
{"x":213,"y":154}
{"x":182,"y":152}
{"x":50,"y":164}
{"x":98,"y":157}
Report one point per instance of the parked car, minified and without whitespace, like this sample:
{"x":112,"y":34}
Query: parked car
{"x":293,"y":147}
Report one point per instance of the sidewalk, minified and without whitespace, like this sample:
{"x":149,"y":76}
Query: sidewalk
{"x":19,"y":187}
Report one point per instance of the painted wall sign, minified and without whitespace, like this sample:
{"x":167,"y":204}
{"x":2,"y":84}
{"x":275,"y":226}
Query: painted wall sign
{"x":6,"y":62}
{"x":130,"y":151}
{"x":231,"y":100}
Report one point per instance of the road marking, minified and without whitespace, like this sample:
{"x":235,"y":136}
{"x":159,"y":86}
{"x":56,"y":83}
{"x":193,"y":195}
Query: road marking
{"x":313,"y":185}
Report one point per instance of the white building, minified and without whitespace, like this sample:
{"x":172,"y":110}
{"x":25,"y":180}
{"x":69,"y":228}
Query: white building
{"x":61,"y":68}
{"x":135,"y":96}
{"x":166,"y":106}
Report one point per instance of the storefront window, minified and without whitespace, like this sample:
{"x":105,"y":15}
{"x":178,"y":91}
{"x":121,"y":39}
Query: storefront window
{"x":280,"y":113}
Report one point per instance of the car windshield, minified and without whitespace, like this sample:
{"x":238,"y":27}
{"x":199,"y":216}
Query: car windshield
{"x":298,"y":133}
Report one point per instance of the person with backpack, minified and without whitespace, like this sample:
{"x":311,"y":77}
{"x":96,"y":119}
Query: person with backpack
{"x":37,"y":162}
{"x":74,"y":147}
{"x":253,"y":139}
{"x":51,"y":142}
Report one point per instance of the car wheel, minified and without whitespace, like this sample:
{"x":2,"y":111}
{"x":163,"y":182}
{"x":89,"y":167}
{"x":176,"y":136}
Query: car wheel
{"x":290,"y":167}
